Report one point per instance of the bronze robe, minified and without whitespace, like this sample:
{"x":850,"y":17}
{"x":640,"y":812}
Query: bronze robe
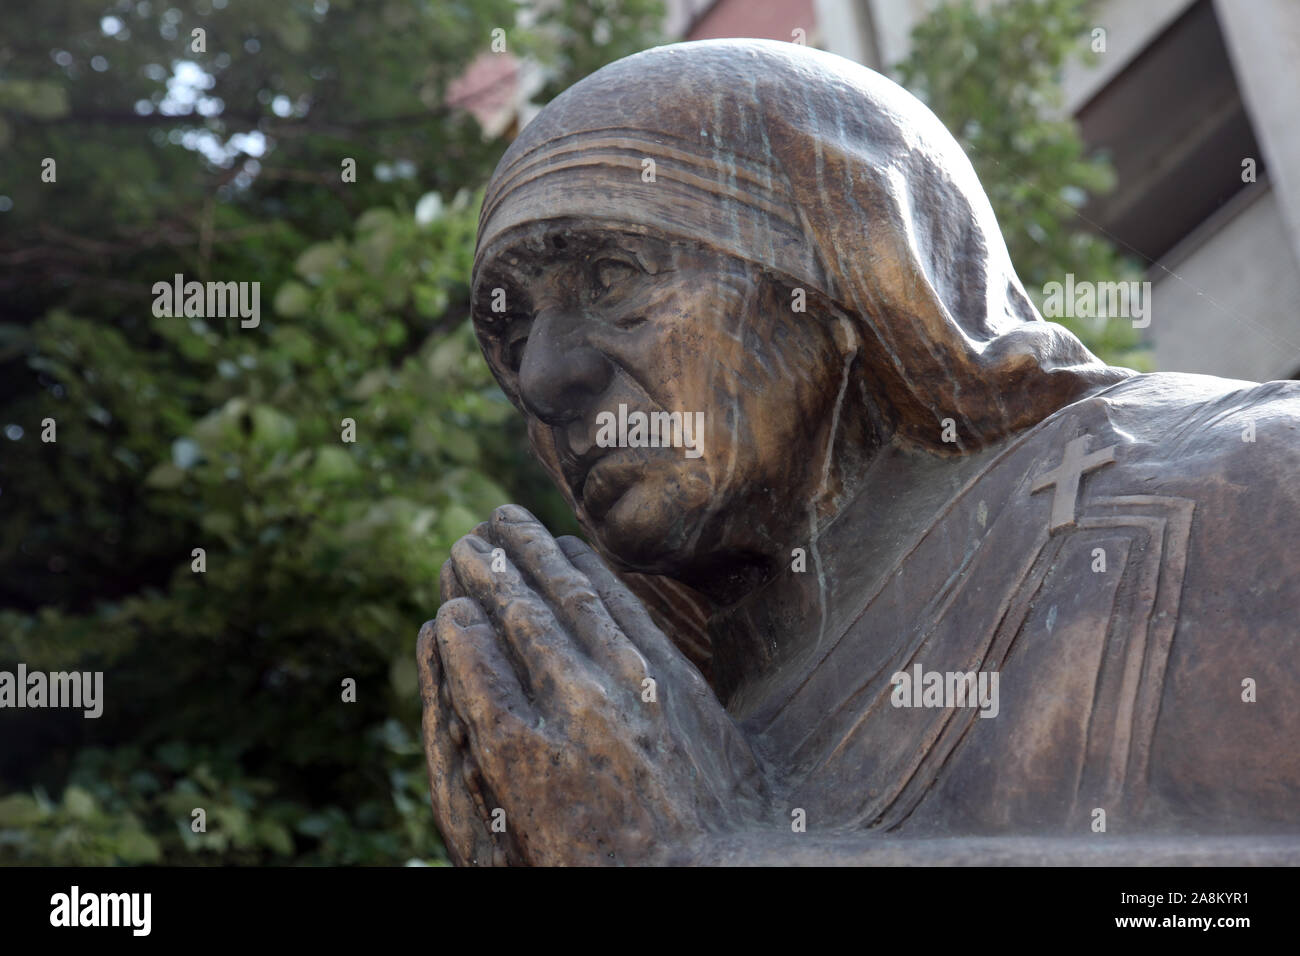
{"x":1093,"y":664}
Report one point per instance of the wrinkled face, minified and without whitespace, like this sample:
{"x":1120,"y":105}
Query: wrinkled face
{"x":613,"y":343}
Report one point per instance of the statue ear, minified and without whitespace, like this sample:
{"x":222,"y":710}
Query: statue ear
{"x":817,"y":307}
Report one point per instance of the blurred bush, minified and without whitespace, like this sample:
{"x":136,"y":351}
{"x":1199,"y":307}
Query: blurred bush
{"x":224,"y":688}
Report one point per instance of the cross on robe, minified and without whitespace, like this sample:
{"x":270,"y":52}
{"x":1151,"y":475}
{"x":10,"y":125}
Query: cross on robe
{"x":1065,"y":476}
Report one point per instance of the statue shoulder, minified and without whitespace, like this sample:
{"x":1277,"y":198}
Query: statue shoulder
{"x":1204,"y":425}
{"x":1233,"y":449}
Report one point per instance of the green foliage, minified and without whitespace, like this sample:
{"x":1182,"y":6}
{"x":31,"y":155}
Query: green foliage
{"x":321,"y":556}
{"x":992,"y":73}
{"x":223,"y":689}
{"x":576,"y":42}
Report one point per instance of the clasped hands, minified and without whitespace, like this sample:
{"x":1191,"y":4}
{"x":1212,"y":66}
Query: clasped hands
{"x":562,"y":726}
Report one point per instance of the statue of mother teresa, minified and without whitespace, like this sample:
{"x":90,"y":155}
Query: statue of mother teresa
{"x":925,"y":567}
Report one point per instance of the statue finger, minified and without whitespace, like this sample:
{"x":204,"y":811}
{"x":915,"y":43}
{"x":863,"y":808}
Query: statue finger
{"x":501,"y":728}
{"x":449,"y":586}
{"x":487,"y":695}
{"x":548,"y":655}
{"x":457,"y":811}
{"x":459,"y":806}
{"x":628,"y":611}
{"x":707,"y":719}
{"x":570,"y":593}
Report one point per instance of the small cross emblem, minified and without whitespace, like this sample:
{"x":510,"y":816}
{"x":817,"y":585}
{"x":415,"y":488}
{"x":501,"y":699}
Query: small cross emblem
{"x":1065,"y":476}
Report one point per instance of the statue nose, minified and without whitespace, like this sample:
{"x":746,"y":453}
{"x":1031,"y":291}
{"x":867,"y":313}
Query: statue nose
{"x":559,"y":377}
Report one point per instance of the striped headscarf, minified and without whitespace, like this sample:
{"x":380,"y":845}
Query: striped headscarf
{"x":829,"y":176}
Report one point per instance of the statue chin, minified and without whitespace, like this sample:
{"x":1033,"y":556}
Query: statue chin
{"x":646,"y":512}
{"x":648,"y":529}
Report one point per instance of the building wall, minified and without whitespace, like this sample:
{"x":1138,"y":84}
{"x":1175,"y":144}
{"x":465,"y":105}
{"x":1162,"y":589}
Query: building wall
{"x":760,"y":19}
{"x":1263,"y":40}
{"x":1129,"y":27}
{"x":1228,"y":303}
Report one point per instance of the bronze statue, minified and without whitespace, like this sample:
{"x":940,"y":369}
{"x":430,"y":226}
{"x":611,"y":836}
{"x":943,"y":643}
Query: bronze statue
{"x":883,"y":567}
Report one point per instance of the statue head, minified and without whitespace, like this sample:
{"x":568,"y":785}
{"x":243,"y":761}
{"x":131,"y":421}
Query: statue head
{"x":782,"y":248}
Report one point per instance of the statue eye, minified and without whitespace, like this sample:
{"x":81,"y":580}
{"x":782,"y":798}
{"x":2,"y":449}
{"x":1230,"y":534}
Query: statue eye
{"x":610,"y":272}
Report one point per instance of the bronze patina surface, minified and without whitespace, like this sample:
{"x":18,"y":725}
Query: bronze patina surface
{"x":915,"y":579}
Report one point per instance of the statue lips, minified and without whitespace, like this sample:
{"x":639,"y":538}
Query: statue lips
{"x":608,"y":479}
{"x":614,"y":469}
{"x":598,"y":476}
